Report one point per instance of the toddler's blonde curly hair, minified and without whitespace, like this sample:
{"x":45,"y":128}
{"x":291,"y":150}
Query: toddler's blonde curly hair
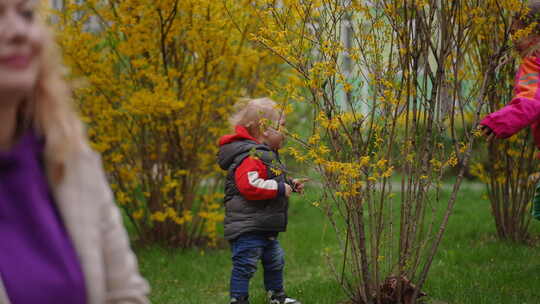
{"x":251,"y":112}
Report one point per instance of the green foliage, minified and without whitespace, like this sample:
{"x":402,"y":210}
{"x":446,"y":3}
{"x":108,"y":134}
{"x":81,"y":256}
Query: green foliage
{"x":472,"y":266}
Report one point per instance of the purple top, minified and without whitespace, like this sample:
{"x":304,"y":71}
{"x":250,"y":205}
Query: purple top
{"x":38,"y":263}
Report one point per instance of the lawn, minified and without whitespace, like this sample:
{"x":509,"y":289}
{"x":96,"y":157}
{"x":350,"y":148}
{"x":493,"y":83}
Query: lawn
{"x":471,"y":265}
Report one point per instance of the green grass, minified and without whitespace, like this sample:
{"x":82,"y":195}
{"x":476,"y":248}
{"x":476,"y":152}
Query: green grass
{"x":471,"y":265}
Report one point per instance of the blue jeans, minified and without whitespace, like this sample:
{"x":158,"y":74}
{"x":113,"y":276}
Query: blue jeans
{"x":247,"y":250}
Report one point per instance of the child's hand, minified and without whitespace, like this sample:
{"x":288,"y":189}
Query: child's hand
{"x":298,"y":184}
{"x":288,"y":190}
{"x":486,"y":131}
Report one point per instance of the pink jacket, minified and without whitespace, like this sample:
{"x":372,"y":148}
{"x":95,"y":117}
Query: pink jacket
{"x":524,"y":109}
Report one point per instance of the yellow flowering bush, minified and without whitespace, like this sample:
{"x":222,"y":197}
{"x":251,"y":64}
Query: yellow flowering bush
{"x":506,"y":168}
{"x":156,"y":82}
{"x":395,"y":88}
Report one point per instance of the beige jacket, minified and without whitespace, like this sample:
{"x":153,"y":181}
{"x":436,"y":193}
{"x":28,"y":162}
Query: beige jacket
{"x":94,"y":223}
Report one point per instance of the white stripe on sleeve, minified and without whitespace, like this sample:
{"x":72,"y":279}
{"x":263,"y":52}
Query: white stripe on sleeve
{"x":257,"y":182}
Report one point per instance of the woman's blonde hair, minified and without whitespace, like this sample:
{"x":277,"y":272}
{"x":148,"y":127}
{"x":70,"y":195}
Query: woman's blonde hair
{"x":250,"y":112}
{"x":50,"y":110}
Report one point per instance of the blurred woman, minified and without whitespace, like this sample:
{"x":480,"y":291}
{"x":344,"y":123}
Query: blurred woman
{"x":62,"y":239}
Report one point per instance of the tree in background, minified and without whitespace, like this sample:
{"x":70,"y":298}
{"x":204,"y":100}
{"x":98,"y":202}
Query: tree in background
{"x":399,"y":90}
{"x":507,"y":166}
{"x":157,"y":79}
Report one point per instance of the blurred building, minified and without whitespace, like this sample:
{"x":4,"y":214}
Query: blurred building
{"x":56,"y":3}
{"x":93,"y":23}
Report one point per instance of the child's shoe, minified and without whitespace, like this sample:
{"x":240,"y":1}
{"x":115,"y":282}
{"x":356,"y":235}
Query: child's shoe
{"x":239,"y":300}
{"x":280,"y":298}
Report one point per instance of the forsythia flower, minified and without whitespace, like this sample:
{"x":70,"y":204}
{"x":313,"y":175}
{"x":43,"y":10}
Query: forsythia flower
{"x":156,"y":89}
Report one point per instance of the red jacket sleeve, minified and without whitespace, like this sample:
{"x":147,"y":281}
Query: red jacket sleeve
{"x":252,"y":181}
{"x":524,"y":109}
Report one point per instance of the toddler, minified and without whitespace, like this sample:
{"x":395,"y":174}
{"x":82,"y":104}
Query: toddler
{"x":256,"y":198}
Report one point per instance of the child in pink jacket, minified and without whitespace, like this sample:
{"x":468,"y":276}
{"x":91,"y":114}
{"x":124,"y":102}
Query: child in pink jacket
{"x":524,"y":108}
